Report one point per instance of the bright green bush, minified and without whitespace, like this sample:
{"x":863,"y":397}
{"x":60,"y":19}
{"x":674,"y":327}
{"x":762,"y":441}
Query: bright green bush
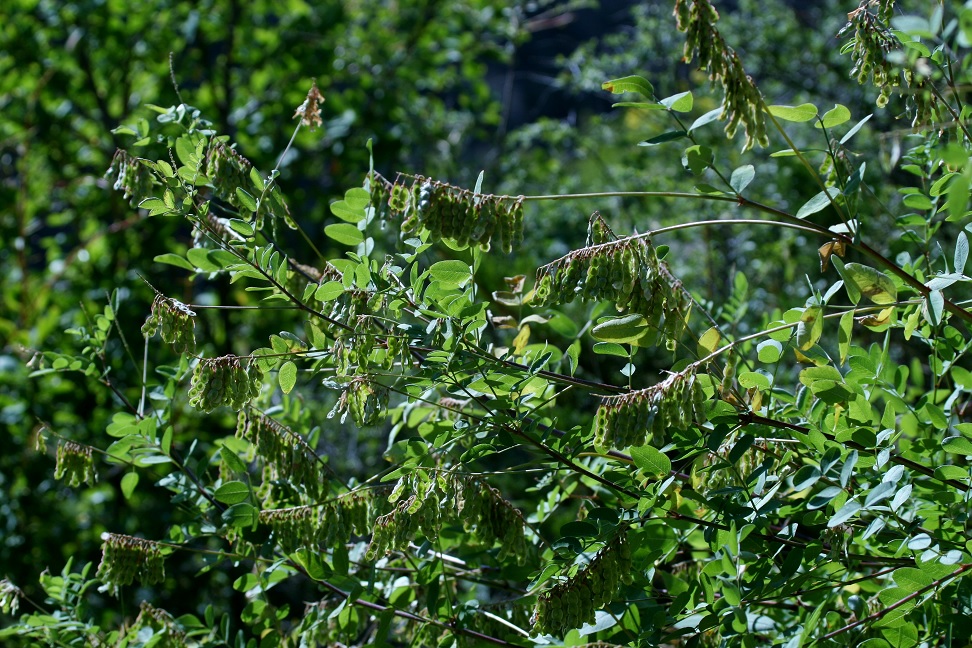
{"x":794,"y":477}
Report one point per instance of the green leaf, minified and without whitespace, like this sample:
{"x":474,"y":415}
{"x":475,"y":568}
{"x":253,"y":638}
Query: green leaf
{"x":128,"y":484}
{"x":186,"y":152}
{"x":154,"y":206}
{"x":651,"y":460}
{"x":241,"y":227}
{"x":232,"y":492}
{"x":961,"y":253}
{"x":630,"y":84}
{"x":175,"y":260}
{"x":643,"y":105}
{"x":769,"y":351}
{"x":232,"y":460}
{"x":241,"y":515}
{"x":346,"y":212}
{"x":754,"y":380}
{"x":621,"y":330}
{"x":958,"y":197}
{"x":844,"y":331}
{"x":802,"y":113}
{"x":451,"y":273}
{"x":707,"y":118}
{"x":357,"y":198}
{"x":573,"y":356}
{"x":329,"y":291}
{"x":344,"y":233}
{"x":912,"y":579}
{"x":805,"y":477}
{"x":246,"y":200}
{"x":957,"y":445}
{"x":854,"y":129}
{"x":834,"y":117}
{"x":681,"y":102}
{"x":846,"y":512}
{"x":664,"y":137}
{"x":199,"y":257}
{"x":610,"y":348}
{"x":932,"y":307}
{"x":313,"y":564}
{"x":741,"y":178}
{"x":819,"y":202}
{"x":287,"y":376}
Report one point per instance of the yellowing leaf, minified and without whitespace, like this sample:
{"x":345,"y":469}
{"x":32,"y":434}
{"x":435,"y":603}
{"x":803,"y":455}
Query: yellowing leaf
{"x":521,"y":340}
{"x":872,"y":283}
{"x":630,"y":84}
{"x":810,"y":327}
{"x":709,"y":341}
{"x":838,"y":247}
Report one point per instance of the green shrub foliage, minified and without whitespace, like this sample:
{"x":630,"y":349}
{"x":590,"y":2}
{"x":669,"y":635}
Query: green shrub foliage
{"x":793,"y":478}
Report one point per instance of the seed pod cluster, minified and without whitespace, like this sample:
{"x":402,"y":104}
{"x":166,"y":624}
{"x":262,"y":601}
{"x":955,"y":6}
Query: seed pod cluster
{"x":10,"y":596}
{"x":869,"y":48}
{"x":226,"y":380}
{"x":329,"y":524}
{"x":396,"y":529}
{"x":423,"y":504}
{"x":644,"y":416}
{"x":127,"y":174}
{"x":365,"y":401}
{"x":573,"y":602}
{"x":626,"y":272}
{"x":453,"y":213}
{"x":487,"y":514}
{"x":742,"y":101}
{"x":227,"y":170}
{"x":162,"y":624}
{"x":285,"y":454}
{"x":123,"y":558}
{"x":380,"y":190}
{"x":175,"y":321}
{"x":75,"y":464}
{"x":713,"y":471}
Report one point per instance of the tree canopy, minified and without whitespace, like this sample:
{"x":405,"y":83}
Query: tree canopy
{"x":313,"y":338}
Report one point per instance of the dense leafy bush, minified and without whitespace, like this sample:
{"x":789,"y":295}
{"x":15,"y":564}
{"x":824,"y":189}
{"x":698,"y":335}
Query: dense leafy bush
{"x":426,"y":452}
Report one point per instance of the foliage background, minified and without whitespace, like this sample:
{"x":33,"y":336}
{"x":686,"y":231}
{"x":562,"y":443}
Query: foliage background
{"x":442,"y":88}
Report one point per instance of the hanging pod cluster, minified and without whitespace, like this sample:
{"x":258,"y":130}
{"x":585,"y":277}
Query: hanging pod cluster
{"x":329,"y":524}
{"x":75,"y":463}
{"x":627,"y":272}
{"x":449,"y":212}
{"x":742,"y":102}
{"x":123,"y":558}
{"x":175,"y":321}
{"x":424,"y":503}
{"x":644,"y":416}
{"x":285,"y":454}
{"x":128,"y":175}
{"x":365,"y":401}
{"x":234,"y":180}
{"x":715,"y":470}
{"x":226,"y":380}
{"x":870,"y":47}
{"x":573,"y":602}
{"x":161,"y":624}
{"x":487,"y":514}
